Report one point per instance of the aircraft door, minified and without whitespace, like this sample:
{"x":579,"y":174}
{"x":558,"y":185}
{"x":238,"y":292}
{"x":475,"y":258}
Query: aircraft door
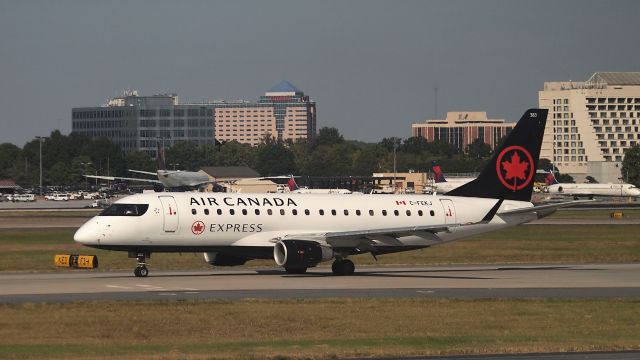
{"x":169,"y":213}
{"x":449,"y":211}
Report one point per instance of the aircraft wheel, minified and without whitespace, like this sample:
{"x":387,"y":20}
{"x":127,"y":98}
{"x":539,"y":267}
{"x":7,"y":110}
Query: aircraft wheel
{"x":290,"y":270}
{"x":343,"y":267}
{"x":141,"y":271}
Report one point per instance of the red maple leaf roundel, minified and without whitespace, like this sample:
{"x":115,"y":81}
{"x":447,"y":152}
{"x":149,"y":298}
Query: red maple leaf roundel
{"x":197,"y":228}
{"x":518,"y":171}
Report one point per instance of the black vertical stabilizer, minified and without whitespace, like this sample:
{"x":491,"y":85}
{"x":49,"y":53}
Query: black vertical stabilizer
{"x":510,"y":172}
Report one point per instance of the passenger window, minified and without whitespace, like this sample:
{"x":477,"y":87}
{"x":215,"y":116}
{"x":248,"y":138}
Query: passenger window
{"x":358,"y":212}
{"x":419,"y":212}
{"x":232,"y":212}
{"x":432,"y":213}
{"x":281,"y":211}
{"x":244,"y":211}
{"x":269,"y":211}
{"x":321,"y":212}
{"x":346,"y":212}
{"x":384,"y":212}
{"x":371,"y":212}
{"x":257,"y":211}
{"x":294,"y":212}
{"x":333,"y":212}
{"x":206,"y":211}
{"x":306,"y":211}
{"x":219,"y":211}
{"x":194,"y":211}
{"x":396,"y":212}
{"x":408,"y":212}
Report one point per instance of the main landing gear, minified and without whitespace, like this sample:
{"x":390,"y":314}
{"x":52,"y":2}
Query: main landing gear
{"x":343,"y":267}
{"x":141,"y":270}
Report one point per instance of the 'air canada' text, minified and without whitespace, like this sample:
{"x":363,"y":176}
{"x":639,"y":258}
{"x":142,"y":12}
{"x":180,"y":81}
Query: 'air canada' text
{"x":246,"y":201}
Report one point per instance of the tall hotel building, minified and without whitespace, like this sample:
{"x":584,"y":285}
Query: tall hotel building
{"x":137,"y":122}
{"x":284,"y":113}
{"x":591,"y":123}
{"x":462,"y":128}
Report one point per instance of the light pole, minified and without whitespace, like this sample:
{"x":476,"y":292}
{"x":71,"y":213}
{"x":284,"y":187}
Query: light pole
{"x":41,"y":139}
{"x":86,"y":185}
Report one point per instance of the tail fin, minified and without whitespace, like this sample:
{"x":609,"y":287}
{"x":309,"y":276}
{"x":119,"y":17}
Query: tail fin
{"x":438,"y":176}
{"x":292,"y":184}
{"x":509,"y":174}
{"x":160,"y":158}
{"x":550,"y":179}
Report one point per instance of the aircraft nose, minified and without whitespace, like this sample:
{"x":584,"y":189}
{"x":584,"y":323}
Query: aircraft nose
{"x":87,"y":234}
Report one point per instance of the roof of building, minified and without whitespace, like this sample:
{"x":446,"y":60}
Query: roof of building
{"x":285,"y":86}
{"x":230,"y":171}
{"x":616,"y":78}
{"x":8,"y":184}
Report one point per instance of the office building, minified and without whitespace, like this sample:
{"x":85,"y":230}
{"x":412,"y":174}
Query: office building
{"x":591,"y":123}
{"x":137,"y":122}
{"x":461,"y":128}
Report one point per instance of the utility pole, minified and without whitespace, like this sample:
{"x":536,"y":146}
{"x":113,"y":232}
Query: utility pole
{"x":41,"y":139}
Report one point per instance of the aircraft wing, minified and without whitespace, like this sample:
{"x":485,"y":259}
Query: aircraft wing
{"x":372,"y":237}
{"x":143,"y":172}
{"x":543,"y":210}
{"x":112,"y":178}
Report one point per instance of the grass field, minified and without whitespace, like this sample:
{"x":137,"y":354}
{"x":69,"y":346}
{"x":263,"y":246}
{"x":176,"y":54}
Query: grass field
{"x":33,"y":250}
{"x":313,"y":329}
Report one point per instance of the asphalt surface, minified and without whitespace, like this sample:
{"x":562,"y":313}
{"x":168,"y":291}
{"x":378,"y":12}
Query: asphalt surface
{"x":468,"y":282}
{"x":617,"y":355}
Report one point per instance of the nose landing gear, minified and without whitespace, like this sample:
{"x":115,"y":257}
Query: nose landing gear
{"x":140,"y":270}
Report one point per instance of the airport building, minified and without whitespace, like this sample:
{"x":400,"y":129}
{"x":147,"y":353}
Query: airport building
{"x":136,"y":122}
{"x":462,"y":128}
{"x":591,"y":124}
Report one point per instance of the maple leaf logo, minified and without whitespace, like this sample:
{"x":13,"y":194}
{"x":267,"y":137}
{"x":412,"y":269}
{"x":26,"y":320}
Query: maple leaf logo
{"x":515,"y":175}
{"x":197,"y":227}
{"x":515,"y":168}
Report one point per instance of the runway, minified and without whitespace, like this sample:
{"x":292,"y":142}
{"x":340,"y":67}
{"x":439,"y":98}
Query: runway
{"x":468,"y":282}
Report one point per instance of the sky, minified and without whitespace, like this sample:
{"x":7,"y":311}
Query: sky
{"x":370,"y":65}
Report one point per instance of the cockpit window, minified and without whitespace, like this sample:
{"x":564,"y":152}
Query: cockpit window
{"x":125,"y":210}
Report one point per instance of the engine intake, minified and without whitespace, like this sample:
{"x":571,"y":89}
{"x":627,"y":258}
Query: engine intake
{"x":300,"y":253}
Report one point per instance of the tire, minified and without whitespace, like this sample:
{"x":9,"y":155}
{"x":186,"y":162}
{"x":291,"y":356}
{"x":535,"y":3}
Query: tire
{"x":343,"y":267}
{"x":136,"y":272}
{"x":143,"y":271}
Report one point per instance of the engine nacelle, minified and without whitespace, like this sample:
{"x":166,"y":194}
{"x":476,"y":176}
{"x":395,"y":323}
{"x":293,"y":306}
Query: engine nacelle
{"x":300,"y":253}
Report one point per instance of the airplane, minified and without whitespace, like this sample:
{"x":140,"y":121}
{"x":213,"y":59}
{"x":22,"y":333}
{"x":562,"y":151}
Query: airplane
{"x":588,"y":190}
{"x":294,"y":188}
{"x":300,"y":231}
{"x":443,"y":185}
{"x":167,"y":179}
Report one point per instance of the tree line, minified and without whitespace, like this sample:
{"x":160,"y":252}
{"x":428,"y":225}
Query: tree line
{"x":65,"y":158}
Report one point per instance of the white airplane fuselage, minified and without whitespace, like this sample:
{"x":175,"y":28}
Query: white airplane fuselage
{"x":207,"y":221}
{"x":593,"y":189}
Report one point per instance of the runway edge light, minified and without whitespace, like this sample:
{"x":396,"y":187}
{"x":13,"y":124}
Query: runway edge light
{"x":76,"y":261}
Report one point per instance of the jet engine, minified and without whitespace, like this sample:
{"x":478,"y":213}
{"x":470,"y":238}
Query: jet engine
{"x":300,"y":253}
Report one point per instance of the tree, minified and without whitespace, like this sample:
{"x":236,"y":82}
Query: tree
{"x":9,"y":159}
{"x":139,"y":160}
{"x":631,"y":165}
{"x":274,"y":158}
{"x":478,"y":149}
{"x":328,"y":136}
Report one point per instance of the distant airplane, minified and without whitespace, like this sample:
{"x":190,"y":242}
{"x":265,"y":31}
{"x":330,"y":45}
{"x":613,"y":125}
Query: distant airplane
{"x":301,"y":230}
{"x":588,"y":190}
{"x":442,"y":185}
{"x":175,"y":180}
{"x":294,"y":188}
